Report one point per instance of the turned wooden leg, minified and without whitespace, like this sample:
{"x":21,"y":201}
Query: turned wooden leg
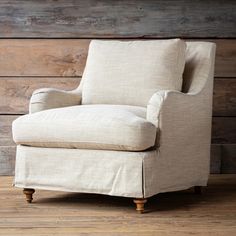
{"x":140,"y":204}
{"x":28,"y":194}
{"x":198,"y":190}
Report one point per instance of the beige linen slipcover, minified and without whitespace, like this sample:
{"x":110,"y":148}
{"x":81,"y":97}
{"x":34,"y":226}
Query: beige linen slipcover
{"x":108,"y":127}
{"x":129,"y":72}
{"x":178,"y":160}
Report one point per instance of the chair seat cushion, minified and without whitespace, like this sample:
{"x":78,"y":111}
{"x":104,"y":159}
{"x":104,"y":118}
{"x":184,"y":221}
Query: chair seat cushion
{"x":109,"y":127}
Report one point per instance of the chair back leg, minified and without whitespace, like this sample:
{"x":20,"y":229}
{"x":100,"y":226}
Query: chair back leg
{"x":29,"y":194}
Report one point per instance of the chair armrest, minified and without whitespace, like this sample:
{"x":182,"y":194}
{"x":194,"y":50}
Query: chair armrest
{"x":48,"y":98}
{"x":181,"y":118}
{"x":175,"y":101}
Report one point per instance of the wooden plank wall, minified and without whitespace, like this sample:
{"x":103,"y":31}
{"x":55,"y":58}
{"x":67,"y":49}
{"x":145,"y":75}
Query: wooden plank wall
{"x":44,"y":44}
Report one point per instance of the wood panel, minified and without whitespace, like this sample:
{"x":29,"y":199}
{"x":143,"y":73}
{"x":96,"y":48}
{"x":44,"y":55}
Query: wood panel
{"x":224,"y":130}
{"x":67,"y":57}
{"x":71,"y":214}
{"x":215,"y":163}
{"x":228,"y":159}
{"x":225,"y":65}
{"x":42,"y":57}
{"x":5,"y":130}
{"x":103,"y":18}
{"x":15,"y":92}
{"x":224,"y":98}
{"x":7,"y":146}
{"x":7,"y":160}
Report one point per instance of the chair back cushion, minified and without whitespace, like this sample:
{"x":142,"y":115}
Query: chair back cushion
{"x":130,"y":72}
{"x":199,"y":66}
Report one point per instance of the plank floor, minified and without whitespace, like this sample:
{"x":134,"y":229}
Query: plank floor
{"x":179,"y":213}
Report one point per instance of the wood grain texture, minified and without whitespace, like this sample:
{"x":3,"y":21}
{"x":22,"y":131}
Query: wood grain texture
{"x":215,"y":164}
{"x":224,"y":97}
{"x":15,"y":92}
{"x":7,"y":146}
{"x":7,"y":160}
{"x":42,"y":57}
{"x":29,"y":194}
{"x":67,"y":57}
{"x":70,"y":214}
{"x":228,"y":158}
{"x":104,"y":18}
{"x":225,"y":65}
{"x":224,"y":130}
{"x":5,"y":129}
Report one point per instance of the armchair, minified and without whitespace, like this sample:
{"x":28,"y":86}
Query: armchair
{"x":135,"y":144}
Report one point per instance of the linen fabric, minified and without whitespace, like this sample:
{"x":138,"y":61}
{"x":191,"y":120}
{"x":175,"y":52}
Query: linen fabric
{"x":48,"y":98}
{"x":179,"y":160}
{"x":111,"y":127}
{"x":117,"y":173}
{"x":130,"y":72}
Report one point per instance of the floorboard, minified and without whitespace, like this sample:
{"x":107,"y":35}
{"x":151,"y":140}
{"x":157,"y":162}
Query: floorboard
{"x":178,"y":213}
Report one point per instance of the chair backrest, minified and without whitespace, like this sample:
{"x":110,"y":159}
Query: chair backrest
{"x":129,"y":72}
{"x":199,"y":66}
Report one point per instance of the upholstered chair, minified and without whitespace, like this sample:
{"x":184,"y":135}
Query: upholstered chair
{"x":138,"y":124}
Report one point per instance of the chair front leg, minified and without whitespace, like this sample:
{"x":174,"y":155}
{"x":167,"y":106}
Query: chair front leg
{"x":140,"y":204}
{"x":29,"y":194}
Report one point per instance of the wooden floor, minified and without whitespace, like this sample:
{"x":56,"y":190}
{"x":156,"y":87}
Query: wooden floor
{"x":179,"y":213}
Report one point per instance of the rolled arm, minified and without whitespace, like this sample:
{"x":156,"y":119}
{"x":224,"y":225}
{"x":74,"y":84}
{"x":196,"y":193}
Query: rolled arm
{"x":179,"y":112}
{"x":183,"y":140}
{"x":48,"y":98}
{"x":184,"y":123}
{"x":167,"y":103}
